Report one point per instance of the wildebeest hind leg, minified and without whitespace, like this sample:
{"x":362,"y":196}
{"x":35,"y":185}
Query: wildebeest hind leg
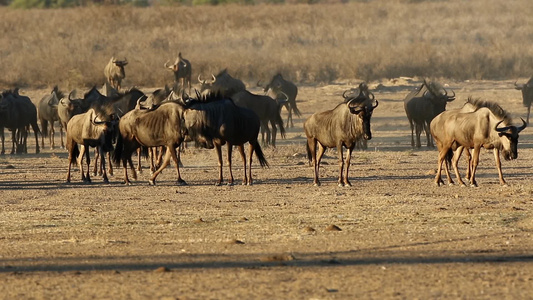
{"x":176,"y":158}
{"x":348,"y":159}
{"x":230,"y":178}
{"x":166,"y":161}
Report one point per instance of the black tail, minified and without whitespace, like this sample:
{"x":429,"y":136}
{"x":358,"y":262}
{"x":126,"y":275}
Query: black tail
{"x":449,"y":156}
{"x":75,"y":154}
{"x":144,"y":152}
{"x":259,"y":154}
{"x":44,"y":125}
{"x":295,"y":109}
{"x":279,"y":122}
{"x":119,"y":149}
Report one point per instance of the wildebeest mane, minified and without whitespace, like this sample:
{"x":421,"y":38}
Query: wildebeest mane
{"x":206,"y":98}
{"x":496,"y":109}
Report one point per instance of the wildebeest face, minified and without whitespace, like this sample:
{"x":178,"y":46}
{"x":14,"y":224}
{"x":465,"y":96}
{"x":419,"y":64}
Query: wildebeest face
{"x":509,"y":140}
{"x":364,"y":112}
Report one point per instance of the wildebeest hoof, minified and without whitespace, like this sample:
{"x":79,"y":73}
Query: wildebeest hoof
{"x":316,"y":184}
{"x":181,"y":182}
{"x":218,"y":183}
{"x":151,"y":182}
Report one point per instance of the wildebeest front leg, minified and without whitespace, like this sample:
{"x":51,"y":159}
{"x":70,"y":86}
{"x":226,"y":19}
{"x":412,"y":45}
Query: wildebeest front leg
{"x":499,"y":165}
{"x":318,"y":158}
{"x":274,"y":132}
{"x":348,"y":159}
{"x":455,"y":160}
{"x":442,"y":156}
{"x":88,"y":159}
{"x":251,"y":150}
{"x":230,"y":149}
{"x":61,"y":135}
{"x":475,"y":162}
{"x":52,"y":136}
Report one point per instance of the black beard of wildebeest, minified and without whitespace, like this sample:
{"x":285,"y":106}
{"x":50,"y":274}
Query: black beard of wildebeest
{"x":341,"y":126}
{"x":214,"y":120}
{"x":17,"y":112}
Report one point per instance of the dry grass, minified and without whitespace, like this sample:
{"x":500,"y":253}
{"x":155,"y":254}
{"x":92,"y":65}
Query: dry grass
{"x":308,"y":43}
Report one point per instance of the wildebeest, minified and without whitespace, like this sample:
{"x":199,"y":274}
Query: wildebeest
{"x":182,"y":70}
{"x":489,"y":126}
{"x":527,"y":95}
{"x":17,"y":112}
{"x":339,"y":127}
{"x":93,"y":128}
{"x":47,"y":113}
{"x":214,"y":120}
{"x":150,"y":128}
{"x":223,"y":83}
{"x":279,"y":88}
{"x":108,"y":90}
{"x":267,"y":109}
{"x":114,"y":72}
{"x":422,"y":105}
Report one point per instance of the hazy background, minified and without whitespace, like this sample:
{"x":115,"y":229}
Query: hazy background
{"x":309,"y":43}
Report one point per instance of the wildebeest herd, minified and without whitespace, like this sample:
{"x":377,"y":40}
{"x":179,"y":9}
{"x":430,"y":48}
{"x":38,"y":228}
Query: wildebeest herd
{"x":223,"y":112}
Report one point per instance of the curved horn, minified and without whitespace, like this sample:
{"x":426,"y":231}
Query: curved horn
{"x":199,"y":78}
{"x":259,"y":83}
{"x":214,"y":78}
{"x":373,"y":97}
{"x":375,"y":105}
{"x":70,"y":94}
{"x":524,"y":125}
{"x":344,"y":94}
{"x":95,"y":122}
{"x":167,"y":66}
{"x":518,"y":86}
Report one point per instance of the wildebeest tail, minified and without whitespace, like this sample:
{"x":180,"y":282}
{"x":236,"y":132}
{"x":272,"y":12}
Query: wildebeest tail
{"x":35,"y":128}
{"x":45,"y":128}
{"x":259,"y":154}
{"x":295,"y":109}
{"x":279,"y":122}
{"x":449,"y":156}
{"x":144,"y":151}
{"x":119,"y":148}
{"x":75,"y":154}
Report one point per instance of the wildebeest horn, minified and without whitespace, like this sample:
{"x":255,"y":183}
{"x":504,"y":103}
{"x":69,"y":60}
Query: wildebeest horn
{"x":167,"y":66}
{"x":214,"y":78}
{"x":344,"y":94}
{"x":286,"y":96}
{"x":199,"y":79}
{"x":372,"y":95}
{"x":518,"y":86}
{"x":524,"y":125}
{"x":375,"y":105}
{"x":450,"y":98}
{"x":70,"y":94}
{"x":97,"y":123}
{"x":259,"y":83}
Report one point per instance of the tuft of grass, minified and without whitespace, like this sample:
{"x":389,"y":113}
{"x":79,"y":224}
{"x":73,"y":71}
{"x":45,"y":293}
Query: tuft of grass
{"x":309,"y":44}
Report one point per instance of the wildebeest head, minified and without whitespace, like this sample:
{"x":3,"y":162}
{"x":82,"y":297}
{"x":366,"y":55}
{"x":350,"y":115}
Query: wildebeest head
{"x":222,"y":83}
{"x":362,"y":106}
{"x":107,"y":124}
{"x":509,"y":139}
{"x":438,"y":95}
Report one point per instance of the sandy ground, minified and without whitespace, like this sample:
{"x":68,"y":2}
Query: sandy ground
{"x":392,"y":235}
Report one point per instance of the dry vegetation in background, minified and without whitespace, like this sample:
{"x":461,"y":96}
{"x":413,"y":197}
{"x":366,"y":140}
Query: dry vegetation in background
{"x":310,"y":44}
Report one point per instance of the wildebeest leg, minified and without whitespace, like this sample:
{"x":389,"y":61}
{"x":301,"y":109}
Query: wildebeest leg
{"x":3,"y":141}
{"x":61,"y":135}
{"x":288,"y":107}
{"x":274,"y":132}
{"x":166,"y":162}
{"x":176,"y":158}
{"x":455,"y":160}
{"x":110,"y":164}
{"x":218,"y":149}
{"x":411,"y":124}
{"x":528,"y":110}
{"x":348,"y":159}
{"x":88,"y":161}
{"x":475,"y":162}
{"x":319,"y":153}
{"x":102,"y":164}
{"x":70,"y":157}
{"x":499,"y":165}
{"x":442,"y":155}
{"x":96,"y":159}
{"x":80,"y":161}
{"x":230,"y":149}
{"x":125,"y":166}
{"x":418,"y":133}
{"x":13,"y":140}
{"x":52,"y":134}
{"x":468,"y":158}
{"x":428,"y":135}
{"x":264,"y":129}
{"x":247,"y":179}
{"x":341,"y":164}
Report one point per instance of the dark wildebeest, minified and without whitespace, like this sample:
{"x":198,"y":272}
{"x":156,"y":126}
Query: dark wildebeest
{"x":267,"y":109}
{"x":339,"y":127}
{"x":473,"y":130}
{"x":214,"y":120}
{"x":527,"y":95}
{"x":17,"y":112}
{"x":109,"y":91}
{"x":422,"y":105}
{"x":279,"y":88}
{"x":93,"y":128}
{"x":182,"y":69}
{"x":114,"y":72}
{"x":161,"y":126}
{"x":222,"y":84}
{"x":48,"y":114}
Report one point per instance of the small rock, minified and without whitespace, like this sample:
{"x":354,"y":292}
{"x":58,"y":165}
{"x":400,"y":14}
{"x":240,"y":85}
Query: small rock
{"x":333,"y":228}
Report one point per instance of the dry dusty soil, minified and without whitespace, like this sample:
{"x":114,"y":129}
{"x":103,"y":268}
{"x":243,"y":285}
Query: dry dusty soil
{"x":393,"y":234}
